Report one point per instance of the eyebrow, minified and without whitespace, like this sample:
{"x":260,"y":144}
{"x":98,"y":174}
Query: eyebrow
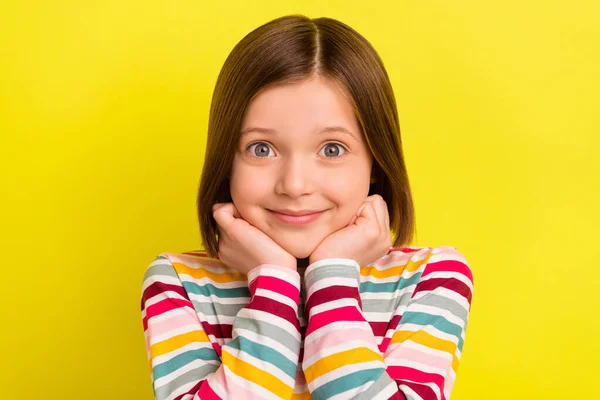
{"x":328,"y":129}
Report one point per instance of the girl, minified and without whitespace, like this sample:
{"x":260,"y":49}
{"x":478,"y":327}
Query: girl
{"x":301,"y":291}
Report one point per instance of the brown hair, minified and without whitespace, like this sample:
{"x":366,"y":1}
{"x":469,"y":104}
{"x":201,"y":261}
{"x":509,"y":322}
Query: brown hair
{"x":290,"y":49}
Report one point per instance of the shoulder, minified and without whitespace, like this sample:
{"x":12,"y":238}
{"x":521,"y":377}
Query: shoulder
{"x":189,"y":269}
{"x":430,"y":262}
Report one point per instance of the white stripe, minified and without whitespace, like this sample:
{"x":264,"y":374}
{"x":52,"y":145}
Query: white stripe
{"x":217,"y":318}
{"x":331,"y":305}
{"x":377,"y":316}
{"x":165,"y":279}
{"x":433,"y":387}
{"x":337,"y":326}
{"x":388,"y":295}
{"x":214,"y":299}
{"x":333,"y":281}
{"x":412,"y":395}
{"x":265,"y":270}
{"x":169,"y":314}
{"x":269,"y":294}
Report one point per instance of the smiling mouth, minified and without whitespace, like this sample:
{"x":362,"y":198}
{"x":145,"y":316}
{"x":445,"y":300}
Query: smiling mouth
{"x":297,"y":220}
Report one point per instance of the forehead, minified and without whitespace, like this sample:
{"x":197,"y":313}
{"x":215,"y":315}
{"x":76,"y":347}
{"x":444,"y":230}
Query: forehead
{"x":301,"y":107}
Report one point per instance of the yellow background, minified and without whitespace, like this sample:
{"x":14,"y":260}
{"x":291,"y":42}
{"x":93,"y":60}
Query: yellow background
{"x":104,"y":108}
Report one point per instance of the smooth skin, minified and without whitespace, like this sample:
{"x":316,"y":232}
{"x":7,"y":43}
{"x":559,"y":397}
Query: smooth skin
{"x":288,"y":159}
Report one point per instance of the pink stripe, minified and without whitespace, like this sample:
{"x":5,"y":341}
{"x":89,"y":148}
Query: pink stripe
{"x":394,"y":257}
{"x":334,"y":338}
{"x":175,"y":322}
{"x":348,"y":313}
{"x":404,"y":353}
{"x":232,"y":388}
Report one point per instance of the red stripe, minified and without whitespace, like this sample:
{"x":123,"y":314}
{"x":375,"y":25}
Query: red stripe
{"x":404,"y":250}
{"x":398,"y":396}
{"x":276,"y":285}
{"x":449,"y":266}
{"x":453,"y":284}
{"x":159,"y":287}
{"x":381,"y":330}
{"x":332,"y":293}
{"x":222,"y":331}
{"x":206,"y":393}
{"x":348,"y":313}
{"x":162,"y":307}
{"x":406,"y":375}
{"x":276,"y":308}
{"x":192,"y":391}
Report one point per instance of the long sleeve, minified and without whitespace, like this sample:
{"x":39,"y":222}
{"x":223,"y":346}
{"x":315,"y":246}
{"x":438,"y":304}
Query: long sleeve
{"x":260,"y":360}
{"x":420,"y":360}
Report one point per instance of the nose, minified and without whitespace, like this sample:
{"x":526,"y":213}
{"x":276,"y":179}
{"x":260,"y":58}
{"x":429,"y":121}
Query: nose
{"x":295,"y":178}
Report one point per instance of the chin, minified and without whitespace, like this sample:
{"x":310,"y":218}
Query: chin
{"x":298,"y":250}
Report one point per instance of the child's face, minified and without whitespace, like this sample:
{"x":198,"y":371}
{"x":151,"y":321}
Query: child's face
{"x":298,"y":168}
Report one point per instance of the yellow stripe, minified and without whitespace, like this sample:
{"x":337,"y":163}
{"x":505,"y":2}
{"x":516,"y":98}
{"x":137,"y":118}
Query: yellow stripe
{"x":176,"y":342}
{"x":337,"y":360}
{"x":253,"y":374}
{"x":199,"y":273}
{"x":410,"y":266}
{"x":428,"y":340}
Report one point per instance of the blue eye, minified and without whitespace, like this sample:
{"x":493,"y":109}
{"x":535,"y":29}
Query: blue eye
{"x":335,"y":152}
{"x":262,"y":150}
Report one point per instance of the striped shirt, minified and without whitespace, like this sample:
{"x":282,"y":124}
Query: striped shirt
{"x":392,"y":329}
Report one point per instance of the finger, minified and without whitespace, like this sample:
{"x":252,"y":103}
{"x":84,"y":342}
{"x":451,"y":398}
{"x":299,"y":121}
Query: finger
{"x":379,"y":206}
{"x":368,"y":217}
{"x":224,"y":215}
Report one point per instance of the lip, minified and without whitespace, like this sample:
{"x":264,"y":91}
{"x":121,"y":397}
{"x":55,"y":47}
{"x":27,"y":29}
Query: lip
{"x":298,"y":219}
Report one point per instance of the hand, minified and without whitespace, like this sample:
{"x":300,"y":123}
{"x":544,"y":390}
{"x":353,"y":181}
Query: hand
{"x":243,"y":246}
{"x":366,"y":238}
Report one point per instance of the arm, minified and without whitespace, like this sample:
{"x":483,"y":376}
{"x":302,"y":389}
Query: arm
{"x":341,"y":355}
{"x":259,"y":362}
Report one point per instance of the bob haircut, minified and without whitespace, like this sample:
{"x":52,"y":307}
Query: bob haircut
{"x":287,"y":50}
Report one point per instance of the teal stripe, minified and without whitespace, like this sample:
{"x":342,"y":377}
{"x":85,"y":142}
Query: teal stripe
{"x":347,"y":382}
{"x":437,"y":321}
{"x":389,"y":287}
{"x":208,"y":289}
{"x":183,"y":359}
{"x":265,"y":353}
